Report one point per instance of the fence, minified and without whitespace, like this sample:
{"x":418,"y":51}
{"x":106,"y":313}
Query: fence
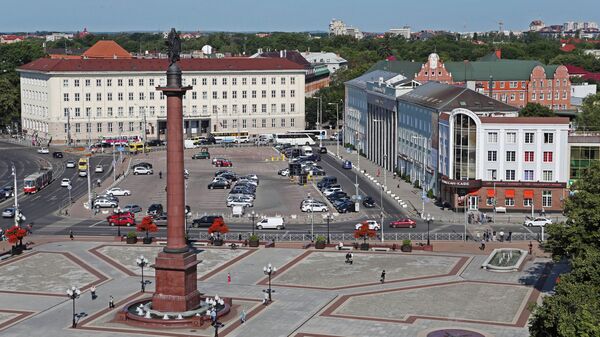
{"x":345,"y":237}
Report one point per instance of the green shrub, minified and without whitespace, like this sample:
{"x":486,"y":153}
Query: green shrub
{"x":406,"y":242}
{"x":132,"y":234}
{"x":253,"y":237}
{"x":320,"y":239}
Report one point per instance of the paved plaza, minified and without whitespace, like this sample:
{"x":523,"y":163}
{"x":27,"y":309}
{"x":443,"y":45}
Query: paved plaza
{"x":316,"y":292}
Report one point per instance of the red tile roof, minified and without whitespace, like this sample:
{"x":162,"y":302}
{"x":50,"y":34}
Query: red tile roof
{"x":524,"y":120}
{"x":224,"y":64}
{"x":107,"y":49}
{"x":568,"y":48}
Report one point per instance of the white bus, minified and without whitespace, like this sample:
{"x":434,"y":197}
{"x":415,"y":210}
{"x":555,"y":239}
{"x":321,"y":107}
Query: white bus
{"x":314,"y":134}
{"x":294,"y":139}
{"x":231,"y":137}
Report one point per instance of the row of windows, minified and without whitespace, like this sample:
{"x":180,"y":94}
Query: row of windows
{"x":194,"y":81}
{"x":510,"y":156}
{"x":151,"y":95}
{"x":511,"y":137}
{"x":528,"y":175}
{"x":224,"y":124}
{"x":34,"y":95}
{"x":540,"y":96}
{"x":527,"y":202}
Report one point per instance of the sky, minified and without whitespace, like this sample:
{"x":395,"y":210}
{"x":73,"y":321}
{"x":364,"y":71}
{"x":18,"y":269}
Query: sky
{"x":286,"y":15}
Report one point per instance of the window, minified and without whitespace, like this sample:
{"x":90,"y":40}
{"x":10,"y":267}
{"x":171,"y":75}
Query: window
{"x":292,"y":121}
{"x":120,"y":96}
{"x":119,"y":82}
{"x":528,"y":175}
{"x":151,"y":82}
{"x":263,"y":81}
{"x":491,"y":174}
{"x":224,"y":108}
{"x":98,"y":96}
{"x":77,"y":127}
{"x":131,"y":111}
{"x":224,"y":124}
{"x":292,"y":80}
{"x":109,"y":127}
{"x":273,"y":93}
{"x":234,"y":108}
{"x":282,"y":93}
{"x":244,"y":108}
{"x":234,"y":81}
{"x":98,"y":83}
{"x":130,"y":82}
{"x":509,"y":175}
{"x":131,"y":127}
{"x":292,"y":93}
{"x":511,"y":137}
{"x":98,"y":127}
{"x":66,"y":97}
{"x":88,"y":83}
{"x":548,"y":156}
{"x":533,"y":96}
{"x":215,"y":95}
{"x":273,"y":122}
{"x":548,"y":138}
{"x":547,"y":198}
{"x":76,"y":97}
{"x":564,"y":95}
{"x":76,"y":83}
{"x":541,"y":96}
{"x":66,"y":112}
{"x":510,"y":155}
{"x":109,"y":96}
{"x":88,"y":96}
{"x":224,"y":81}
{"x":521,"y":96}
{"x":65,"y":83}
{"x":273,"y":108}
{"x":282,"y":107}
{"x":194,"y":95}
{"x":141,"y":82}
{"x":120,"y":111}
{"x":264,"y":94}
{"x":264,"y":108}
{"x":264,"y":122}
{"x":283,"y":122}
{"x":109,"y":111}
{"x":273,"y":80}
{"x":292,"y":107}
{"x":77,"y":112}
{"x":244,"y":124}
{"x":66,"y":127}
{"x":98,"y":112}
{"x":131,"y":96}
{"x":224,"y":94}
{"x":253,"y":80}
{"x":527,"y":202}
{"x":244,"y":81}
{"x":529,"y":137}
{"x":204,"y":95}
{"x":254,"y":122}
{"x":512,"y":97}
{"x":492,"y":155}
{"x":509,"y":202}
{"x":492,"y":137}
{"x":214,"y":81}
{"x":234,"y":94}
{"x":253,"y":108}
{"x":244,"y":94}
{"x":283,"y":80}
{"x":253,"y":93}
{"x":120,"y":126}
{"x":528,"y":156}
{"x":234,"y":122}
{"x":547,"y":175}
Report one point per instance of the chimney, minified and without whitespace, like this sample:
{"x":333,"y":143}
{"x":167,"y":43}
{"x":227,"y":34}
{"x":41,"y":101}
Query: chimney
{"x":281,"y":53}
{"x":499,"y":53}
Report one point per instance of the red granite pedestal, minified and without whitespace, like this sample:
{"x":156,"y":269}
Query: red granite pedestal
{"x":176,"y":278}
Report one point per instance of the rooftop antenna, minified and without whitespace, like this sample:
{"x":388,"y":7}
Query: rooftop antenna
{"x":500,"y":26}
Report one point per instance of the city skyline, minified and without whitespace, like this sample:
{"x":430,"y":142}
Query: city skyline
{"x":269,"y":15}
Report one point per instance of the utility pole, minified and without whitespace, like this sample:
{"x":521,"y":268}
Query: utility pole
{"x":114,"y":163}
{"x":89,"y":181}
{"x":357,"y":202}
{"x":337,"y":128}
{"x":68,"y":126}
{"x":144,"y":116}
{"x":15,"y":192}
{"x":89,"y":128}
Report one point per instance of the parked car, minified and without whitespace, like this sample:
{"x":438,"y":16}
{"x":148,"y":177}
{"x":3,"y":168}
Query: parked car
{"x":314,"y":207}
{"x":201,"y":155}
{"x":155,"y":142}
{"x":247,"y":182}
{"x":205,"y":221}
{"x":368,"y":202}
{"x":337,"y":196}
{"x":105,"y":203}
{"x":403,"y":223}
{"x":229,"y":176}
{"x":242,"y":197}
{"x":57,"y":154}
{"x":160,"y":217}
{"x":108,"y":197}
{"x":142,"y":170}
{"x":119,"y":219}
{"x":155,"y":209}
{"x":142,"y":164}
{"x":224,"y":163}
{"x":8,"y":212}
{"x":239,"y":202}
{"x":251,"y":177}
{"x":327,"y":180}
{"x":99,"y":168}
{"x":332,"y":190}
{"x":220,"y":172}
{"x":118,"y":191}
{"x":271,"y":223}
{"x":43,"y":150}
{"x":372,"y":225}
{"x":345,"y":205}
{"x":65,"y":182}
{"x":70,"y":164}
{"x":323,"y":150}
{"x":219,"y":184}
{"x":538,"y":222}
{"x":132,"y":208}
{"x":347,"y":165}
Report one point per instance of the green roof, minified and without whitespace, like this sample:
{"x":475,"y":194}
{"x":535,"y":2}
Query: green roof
{"x":500,"y":70}
{"x":489,"y":57}
{"x":407,"y":69}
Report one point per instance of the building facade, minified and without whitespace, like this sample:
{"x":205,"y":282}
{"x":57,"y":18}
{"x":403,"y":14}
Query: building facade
{"x":87,"y":99}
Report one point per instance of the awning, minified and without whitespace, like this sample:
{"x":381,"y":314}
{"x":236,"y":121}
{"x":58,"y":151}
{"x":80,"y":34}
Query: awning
{"x":509,"y":193}
{"x":528,"y":194}
{"x":491,"y":193}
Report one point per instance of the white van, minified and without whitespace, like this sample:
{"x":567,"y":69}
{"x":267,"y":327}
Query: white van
{"x":307,"y":150}
{"x":271,"y":223}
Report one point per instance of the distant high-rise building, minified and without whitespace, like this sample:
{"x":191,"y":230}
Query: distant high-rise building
{"x":404,"y":32}
{"x":536,"y":25}
{"x":338,"y":27}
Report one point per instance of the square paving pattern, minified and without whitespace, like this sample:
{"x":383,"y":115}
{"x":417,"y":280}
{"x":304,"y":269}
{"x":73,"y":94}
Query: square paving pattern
{"x":48,"y":273}
{"x":125,"y":256}
{"x":328,"y":269}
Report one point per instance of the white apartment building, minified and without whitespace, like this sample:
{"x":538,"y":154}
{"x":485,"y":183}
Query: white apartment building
{"x":404,"y":32}
{"x":87,"y":99}
{"x":333,"y":61}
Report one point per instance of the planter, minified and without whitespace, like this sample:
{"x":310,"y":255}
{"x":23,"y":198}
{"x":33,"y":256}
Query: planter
{"x":320,"y":245}
{"x":147,"y":241}
{"x":364,"y":246}
{"x":406,"y":248}
{"x":253,"y":243}
{"x":131,"y":240}
{"x":16,"y":250}
{"x":218,"y":242}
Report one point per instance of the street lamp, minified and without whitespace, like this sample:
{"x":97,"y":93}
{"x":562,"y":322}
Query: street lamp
{"x":320,"y":119}
{"x":356,"y":142}
{"x":328,"y":218}
{"x":269,"y":270}
{"x":429,"y":219}
{"x":15,"y":192}
{"x":74,"y":293}
{"x":423,"y":176}
{"x":217,"y":325}
{"x":253,"y":216}
{"x":142,"y":262}
{"x":312,"y":220}
{"x":337,"y":127}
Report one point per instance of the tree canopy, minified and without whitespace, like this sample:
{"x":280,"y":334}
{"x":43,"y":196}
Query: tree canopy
{"x":589,"y":118}
{"x":536,"y":110}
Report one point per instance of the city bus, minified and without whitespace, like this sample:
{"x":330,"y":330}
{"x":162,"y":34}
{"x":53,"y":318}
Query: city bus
{"x":231,"y":137}
{"x":137,"y":147}
{"x":294,"y":139}
{"x":35,"y":182}
{"x":314,"y":134}
{"x":82,"y":165}
{"x":120,"y":140}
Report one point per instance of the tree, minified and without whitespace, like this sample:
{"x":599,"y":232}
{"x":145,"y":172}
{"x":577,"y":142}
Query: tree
{"x":218,"y":226}
{"x":589,"y":118}
{"x":536,"y":110}
{"x":364,"y":232}
{"x":147,"y":225}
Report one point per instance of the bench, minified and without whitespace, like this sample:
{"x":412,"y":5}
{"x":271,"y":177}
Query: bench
{"x":380,"y":249}
{"x":345,"y":248}
{"x":201,"y":244}
{"x":160,"y":243}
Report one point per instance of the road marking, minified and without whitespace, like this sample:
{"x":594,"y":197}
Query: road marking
{"x":97,"y":223}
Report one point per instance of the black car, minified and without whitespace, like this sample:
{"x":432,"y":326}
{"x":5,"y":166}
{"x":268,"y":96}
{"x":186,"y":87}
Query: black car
{"x":323,"y":150}
{"x":57,"y":154}
{"x":219,"y":184}
{"x":220,"y":172}
{"x":143,"y":164}
{"x":337,"y":195}
{"x":345,"y":206}
{"x":326,"y":181}
{"x":205,"y":221}
{"x":155,"y":142}
{"x":368,"y":202}
{"x":7,"y":191}
{"x":155,"y":209}
{"x":242,"y":190}
{"x":229,"y":176}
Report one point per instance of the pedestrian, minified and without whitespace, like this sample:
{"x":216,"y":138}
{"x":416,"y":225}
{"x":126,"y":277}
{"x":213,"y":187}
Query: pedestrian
{"x":71,"y":235}
{"x":213,"y":315}
{"x":382,"y":276}
{"x":111,"y":302}
{"x":228,"y":279}
{"x":159,"y":174}
{"x":266,"y":299}
{"x":482,"y":247}
{"x":243,"y":316}
{"x":530,"y":247}
{"x":93,"y":292}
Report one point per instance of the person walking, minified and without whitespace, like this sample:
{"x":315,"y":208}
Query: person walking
{"x":228,"y":279}
{"x":382,"y":279}
{"x":159,"y":174}
{"x":111,"y":302}
{"x":71,"y":236}
{"x":530,"y":247}
{"x":93,"y":292}
{"x":482,"y":247}
{"x":243,"y":316}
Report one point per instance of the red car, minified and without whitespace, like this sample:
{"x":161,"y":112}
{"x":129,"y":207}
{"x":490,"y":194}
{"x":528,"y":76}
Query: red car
{"x":403,"y":223}
{"x":121,"y":219}
{"x":223,"y":163}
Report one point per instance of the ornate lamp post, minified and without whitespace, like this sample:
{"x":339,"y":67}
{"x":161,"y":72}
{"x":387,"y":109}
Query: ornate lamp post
{"x":142,"y":262}
{"x":74,"y":293}
{"x":253,"y":216}
{"x":269,"y":270}
{"x":328,"y":218}
{"x":429,"y":219}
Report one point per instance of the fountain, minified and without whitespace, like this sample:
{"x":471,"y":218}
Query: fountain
{"x":504,"y":260}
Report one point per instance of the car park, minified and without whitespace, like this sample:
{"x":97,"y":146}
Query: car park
{"x":65,"y":182}
{"x":119,"y":219}
{"x":70,"y":164}
{"x":132,"y":208}
{"x":43,"y":150}
{"x":403,"y":223}
{"x":8,"y":212}
{"x":271,"y":223}
{"x":142,"y":170}
{"x":538,"y":222}
{"x":117,"y":191}
{"x":371,"y":223}
{"x":57,"y":154}
{"x":368,"y":202}
{"x":347,"y":165}
{"x":205,"y":221}
{"x":99,"y":168}
{"x":219,"y":185}
{"x":105,"y":203}
{"x":155,"y":209}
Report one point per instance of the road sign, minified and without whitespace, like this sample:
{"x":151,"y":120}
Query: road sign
{"x":120,"y":149}
{"x":69,"y":187}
